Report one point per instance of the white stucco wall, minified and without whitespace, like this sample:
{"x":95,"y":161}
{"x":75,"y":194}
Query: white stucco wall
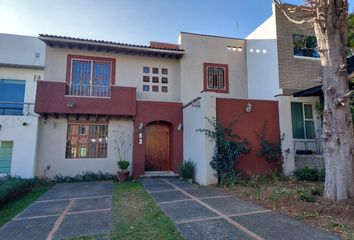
{"x":25,"y":138}
{"x":285,"y":123}
{"x":28,"y":75}
{"x":262,"y":61}
{"x":129,"y":71}
{"x":52,"y":144}
{"x":21,"y":50}
{"x":196,"y":146}
{"x":211,"y":49}
{"x":24,"y":152}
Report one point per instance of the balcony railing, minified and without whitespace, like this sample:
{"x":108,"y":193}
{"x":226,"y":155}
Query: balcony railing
{"x":89,"y":90}
{"x":16,"y":108}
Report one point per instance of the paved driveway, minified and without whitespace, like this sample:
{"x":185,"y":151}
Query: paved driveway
{"x":208,"y":213}
{"x":67,"y":210}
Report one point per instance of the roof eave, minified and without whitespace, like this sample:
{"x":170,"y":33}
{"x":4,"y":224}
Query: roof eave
{"x":72,"y":43}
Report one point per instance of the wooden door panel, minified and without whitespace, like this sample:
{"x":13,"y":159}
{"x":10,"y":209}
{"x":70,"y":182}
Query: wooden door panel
{"x":157,"y":147}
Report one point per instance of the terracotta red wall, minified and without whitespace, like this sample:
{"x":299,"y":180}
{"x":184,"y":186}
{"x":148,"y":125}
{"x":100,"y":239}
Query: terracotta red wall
{"x":247,"y":125}
{"x":51,"y":98}
{"x":147,"y":112}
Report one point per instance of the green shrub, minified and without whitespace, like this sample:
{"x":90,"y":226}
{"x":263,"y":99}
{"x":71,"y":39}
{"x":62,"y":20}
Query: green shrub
{"x":84,"y":177}
{"x":123,"y":165}
{"x":322,"y":175}
{"x":316,"y":191}
{"x":187,"y":169}
{"x":309,"y":174}
{"x":13,"y":187}
{"x":305,"y":195}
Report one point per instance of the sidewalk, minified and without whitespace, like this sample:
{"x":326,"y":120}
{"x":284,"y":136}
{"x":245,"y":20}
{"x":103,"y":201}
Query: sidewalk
{"x":206,"y":213}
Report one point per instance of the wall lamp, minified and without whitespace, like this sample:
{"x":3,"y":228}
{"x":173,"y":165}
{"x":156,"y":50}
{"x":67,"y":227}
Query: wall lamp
{"x":179,"y":127}
{"x":141,"y":126}
{"x":249,"y":107}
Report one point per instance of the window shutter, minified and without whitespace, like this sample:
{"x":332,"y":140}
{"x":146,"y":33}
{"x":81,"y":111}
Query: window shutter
{"x":297,"y":120}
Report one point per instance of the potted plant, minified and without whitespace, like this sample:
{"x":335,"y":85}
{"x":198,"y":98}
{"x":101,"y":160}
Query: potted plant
{"x":122,"y":143}
{"x":123,"y":172}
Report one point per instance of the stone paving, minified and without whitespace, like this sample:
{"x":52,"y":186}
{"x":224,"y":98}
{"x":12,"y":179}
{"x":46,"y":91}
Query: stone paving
{"x":208,"y":213}
{"x":67,"y":210}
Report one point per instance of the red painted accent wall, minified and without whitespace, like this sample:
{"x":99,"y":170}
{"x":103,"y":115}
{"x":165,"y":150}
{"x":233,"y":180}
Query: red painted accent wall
{"x":247,"y":125}
{"x":51,"y":98}
{"x":147,"y":112}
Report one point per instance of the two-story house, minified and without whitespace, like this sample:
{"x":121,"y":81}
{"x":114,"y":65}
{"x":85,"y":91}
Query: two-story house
{"x":21,"y":67}
{"x":100,"y":101}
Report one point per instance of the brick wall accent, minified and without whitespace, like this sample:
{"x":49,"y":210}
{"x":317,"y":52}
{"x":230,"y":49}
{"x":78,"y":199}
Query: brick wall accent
{"x":294,"y":73}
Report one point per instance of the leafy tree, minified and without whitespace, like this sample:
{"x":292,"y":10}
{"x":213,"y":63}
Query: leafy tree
{"x":330,"y":21}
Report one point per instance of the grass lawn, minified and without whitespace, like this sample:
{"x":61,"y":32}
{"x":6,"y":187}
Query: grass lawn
{"x":137,"y":216}
{"x":13,"y":208}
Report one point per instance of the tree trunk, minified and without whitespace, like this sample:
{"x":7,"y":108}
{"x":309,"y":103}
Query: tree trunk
{"x":331,"y":34}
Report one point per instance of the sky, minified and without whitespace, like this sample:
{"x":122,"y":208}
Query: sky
{"x":134,"y":21}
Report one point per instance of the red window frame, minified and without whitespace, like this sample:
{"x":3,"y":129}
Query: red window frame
{"x":92,"y":58}
{"x":226,"y":77}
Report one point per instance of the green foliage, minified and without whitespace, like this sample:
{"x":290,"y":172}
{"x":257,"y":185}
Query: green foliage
{"x":187,"y":170}
{"x":309,"y":174}
{"x":277,"y":194}
{"x":123,"y":165}
{"x":316,"y":191}
{"x":351,"y":31}
{"x":83,"y":177}
{"x":269,"y":150}
{"x":227,"y":151}
{"x":13,"y":187}
{"x":305,"y":195}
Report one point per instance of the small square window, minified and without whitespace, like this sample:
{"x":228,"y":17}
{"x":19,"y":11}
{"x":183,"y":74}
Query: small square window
{"x":146,"y":88}
{"x":146,"y":69}
{"x":155,"y":79}
{"x":146,"y":79}
{"x":164,"y":80}
{"x":155,"y":70}
{"x":164,"y":89}
{"x":155,"y":88}
{"x":164,"y":71}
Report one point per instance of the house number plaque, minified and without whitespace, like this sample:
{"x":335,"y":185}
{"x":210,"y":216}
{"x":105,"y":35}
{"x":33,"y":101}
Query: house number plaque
{"x":140,"y":138}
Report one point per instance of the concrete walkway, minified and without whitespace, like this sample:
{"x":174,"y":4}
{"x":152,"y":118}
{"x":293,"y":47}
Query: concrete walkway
{"x":207,"y":213}
{"x":67,"y":210}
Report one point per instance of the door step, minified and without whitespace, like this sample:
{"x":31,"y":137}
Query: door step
{"x":156,"y":174}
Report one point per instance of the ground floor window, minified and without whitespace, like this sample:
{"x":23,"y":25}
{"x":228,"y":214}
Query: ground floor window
{"x":302,"y":120}
{"x":5,"y":156}
{"x":87,"y":140}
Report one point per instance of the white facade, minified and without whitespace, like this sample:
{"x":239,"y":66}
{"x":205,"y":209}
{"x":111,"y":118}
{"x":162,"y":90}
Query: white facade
{"x":129,"y":71}
{"x":52,"y":142}
{"x":211,"y":49}
{"x":262,"y":61}
{"x":22,"y":58}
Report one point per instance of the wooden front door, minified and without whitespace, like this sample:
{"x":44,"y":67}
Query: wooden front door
{"x":157,"y":147}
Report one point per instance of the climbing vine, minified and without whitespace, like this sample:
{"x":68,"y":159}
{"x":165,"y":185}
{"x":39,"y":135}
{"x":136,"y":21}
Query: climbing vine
{"x":227,"y":151}
{"x":271,"y":151}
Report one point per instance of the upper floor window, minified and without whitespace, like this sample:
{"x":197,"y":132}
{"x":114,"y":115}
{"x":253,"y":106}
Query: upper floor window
{"x":305,"y":46}
{"x":216,"y":77}
{"x":12,"y":94}
{"x":302,"y":120}
{"x":90,"y":76}
{"x":86,"y":140}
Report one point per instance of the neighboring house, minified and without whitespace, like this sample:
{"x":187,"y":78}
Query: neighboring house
{"x":291,"y":66}
{"x":21,"y":66}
